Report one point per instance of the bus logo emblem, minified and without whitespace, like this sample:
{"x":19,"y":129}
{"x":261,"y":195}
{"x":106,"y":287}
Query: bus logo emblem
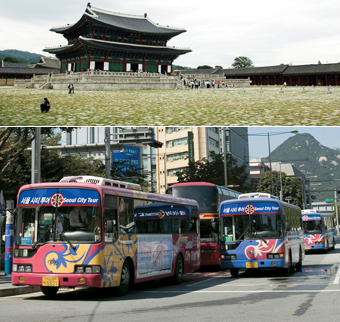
{"x":161,"y":214}
{"x":249,"y":209}
{"x":57,"y":200}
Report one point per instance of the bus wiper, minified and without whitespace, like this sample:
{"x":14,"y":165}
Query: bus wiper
{"x":69,"y":242}
{"x":238,"y":239}
{"x":259,"y":235}
{"x":41,"y":237}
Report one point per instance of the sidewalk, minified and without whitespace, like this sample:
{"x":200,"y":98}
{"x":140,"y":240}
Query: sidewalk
{"x":7,"y":289}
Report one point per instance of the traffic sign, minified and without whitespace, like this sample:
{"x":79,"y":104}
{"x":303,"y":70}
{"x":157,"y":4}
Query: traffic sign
{"x":329,"y":200}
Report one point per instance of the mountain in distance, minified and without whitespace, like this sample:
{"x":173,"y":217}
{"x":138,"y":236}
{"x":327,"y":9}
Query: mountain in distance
{"x":313,"y":159}
{"x":25,"y":56}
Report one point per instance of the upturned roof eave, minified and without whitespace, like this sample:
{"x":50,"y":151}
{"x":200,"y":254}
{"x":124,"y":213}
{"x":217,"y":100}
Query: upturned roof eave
{"x":105,"y":44}
{"x":166,"y":31}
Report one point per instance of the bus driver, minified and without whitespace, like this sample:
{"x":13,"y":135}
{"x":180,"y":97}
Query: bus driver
{"x":78,"y":217}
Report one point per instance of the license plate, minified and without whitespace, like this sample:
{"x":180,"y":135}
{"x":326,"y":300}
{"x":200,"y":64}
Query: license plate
{"x":50,"y":281}
{"x":252,"y":264}
{"x":307,"y":247}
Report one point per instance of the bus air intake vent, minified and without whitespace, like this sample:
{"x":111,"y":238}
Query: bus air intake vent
{"x":257,"y":195}
{"x":102,"y":182}
{"x":308,"y":211}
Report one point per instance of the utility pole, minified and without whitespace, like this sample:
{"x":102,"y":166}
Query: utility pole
{"x":36,"y":157}
{"x":107,"y":141}
{"x":336,"y":211}
{"x":224,"y":158}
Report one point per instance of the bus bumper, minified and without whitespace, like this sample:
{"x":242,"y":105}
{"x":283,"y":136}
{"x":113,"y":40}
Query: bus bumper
{"x":73,"y":280}
{"x":262,"y":263}
{"x":313,"y":247}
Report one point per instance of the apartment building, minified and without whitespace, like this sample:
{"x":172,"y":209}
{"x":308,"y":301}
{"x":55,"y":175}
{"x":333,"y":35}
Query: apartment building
{"x":175,"y":152}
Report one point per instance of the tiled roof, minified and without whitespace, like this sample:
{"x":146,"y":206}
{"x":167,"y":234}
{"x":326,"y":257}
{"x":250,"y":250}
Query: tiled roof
{"x":12,"y":65}
{"x":28,"y":71}
{"x":211,"y":71}
{"x":133,"y":23}
{"x":48,"y":62}
{"x":285,"y":70}
{"x":255,"y":70}
{"x":312,"y":69}
{"x":118,"y":46}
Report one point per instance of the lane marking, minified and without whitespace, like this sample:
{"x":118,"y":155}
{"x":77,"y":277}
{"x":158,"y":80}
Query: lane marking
{"x":337,"y":277}
{"x":249,"y":291}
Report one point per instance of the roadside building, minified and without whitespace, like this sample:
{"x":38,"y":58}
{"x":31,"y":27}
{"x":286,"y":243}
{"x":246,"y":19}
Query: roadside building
{"x":174,"y":155}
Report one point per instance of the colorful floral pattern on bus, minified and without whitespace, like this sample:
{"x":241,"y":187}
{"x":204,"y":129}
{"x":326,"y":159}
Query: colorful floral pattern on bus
{"x":63,"y":258}
{"x":262,"y":248}
{"x":114,"y":257}
{"x":312,"y":239}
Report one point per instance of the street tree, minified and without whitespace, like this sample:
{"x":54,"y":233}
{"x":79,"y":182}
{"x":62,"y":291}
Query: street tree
{"x":204,"y":67}
{"x":291,"y":187}
{"x":242,"y":62}
{"x":15,"y":140}
{"x":54,"y":166}
{"x":121,"y":170}
{"x":212,"y":170}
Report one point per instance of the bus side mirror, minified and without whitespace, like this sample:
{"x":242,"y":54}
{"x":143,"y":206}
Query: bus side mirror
{"x":109,"y":226}
{"x":2,"y":221}
{"x":287,"y":226}
{"x":215,"y":225}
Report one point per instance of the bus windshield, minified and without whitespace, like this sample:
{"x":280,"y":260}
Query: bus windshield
{"x":312,"y":226}
{"x":206,"y":196}
{"x":257,"y":223}
{"x":207,"y":233}
{"x":76,"y":219}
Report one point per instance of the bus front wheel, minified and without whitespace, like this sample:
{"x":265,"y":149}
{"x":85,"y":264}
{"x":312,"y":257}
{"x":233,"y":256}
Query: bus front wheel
{"x":234,"y":272}
{"x":124,"y":280}
{"x":49,"y":290}
{"x":179,"y":270}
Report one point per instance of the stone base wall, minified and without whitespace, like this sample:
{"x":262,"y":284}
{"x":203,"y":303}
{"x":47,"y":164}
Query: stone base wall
{"x":8,"y":82}
{"x":100,"y":81}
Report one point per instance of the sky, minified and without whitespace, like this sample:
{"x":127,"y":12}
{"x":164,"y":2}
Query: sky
{"x":269,"y":32}
{"x":258,"y":137}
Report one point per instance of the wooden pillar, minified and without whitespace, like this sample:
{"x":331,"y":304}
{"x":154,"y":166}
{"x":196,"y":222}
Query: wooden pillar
{"x":124,"y":65}
{"x":326,"y":82}
{"x":335,"y":80}
{"x":88,"y":62}
{"x":299,"y":80}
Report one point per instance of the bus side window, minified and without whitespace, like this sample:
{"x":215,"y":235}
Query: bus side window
{"x":110,"y":215}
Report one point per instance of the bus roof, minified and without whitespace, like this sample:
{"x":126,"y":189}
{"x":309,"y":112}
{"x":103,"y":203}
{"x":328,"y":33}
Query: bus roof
{"x":113,"y":189}
{"x":193,"y":184}
{"x":256,"y":195}
{"x":315,"y":212}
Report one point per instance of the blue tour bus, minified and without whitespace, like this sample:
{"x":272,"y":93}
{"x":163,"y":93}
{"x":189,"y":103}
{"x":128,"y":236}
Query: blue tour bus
{"x":257,"y":230}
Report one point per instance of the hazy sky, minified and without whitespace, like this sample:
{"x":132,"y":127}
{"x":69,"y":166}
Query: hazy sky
{"x":268,"y":32}
{"x":258,"y":144}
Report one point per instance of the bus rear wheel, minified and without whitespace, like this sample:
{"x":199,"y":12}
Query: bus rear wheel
{"x":49,"y":290}
{"x":124,"y":280}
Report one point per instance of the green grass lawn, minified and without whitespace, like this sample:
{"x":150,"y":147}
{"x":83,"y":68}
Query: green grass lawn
{"x":172,"y":107}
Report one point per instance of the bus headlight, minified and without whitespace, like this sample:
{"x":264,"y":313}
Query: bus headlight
{"x":27,"y":268}
{"x":277,"y":256}
{"x":95,"y":269}
{"x":228,"y":257}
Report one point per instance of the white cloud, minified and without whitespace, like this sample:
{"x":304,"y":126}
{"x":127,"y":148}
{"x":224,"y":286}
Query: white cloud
{"x":268,"y":32}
